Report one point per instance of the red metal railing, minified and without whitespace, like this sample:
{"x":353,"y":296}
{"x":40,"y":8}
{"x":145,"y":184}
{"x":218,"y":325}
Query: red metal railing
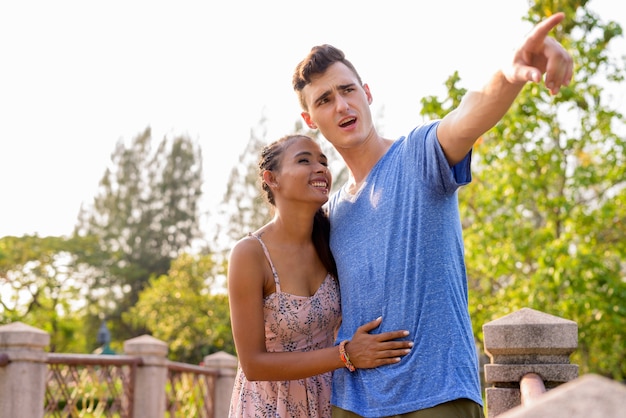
{"x":81,"y":385}
{"x":190,"y":391}
{"x":97,"y":385}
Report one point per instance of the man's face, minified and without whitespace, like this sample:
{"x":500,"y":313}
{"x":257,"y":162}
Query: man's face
{"x":338,"y":105}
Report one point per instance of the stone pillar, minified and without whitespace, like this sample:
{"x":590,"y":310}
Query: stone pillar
{"x":226,"y":365}
{"x":151,"y":377}
{"x":526,"y":341}
{"x":589,"y":396}
{"x":23,"y":379}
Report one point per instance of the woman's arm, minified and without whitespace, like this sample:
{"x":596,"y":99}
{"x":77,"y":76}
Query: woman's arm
{"x":246,"y":281}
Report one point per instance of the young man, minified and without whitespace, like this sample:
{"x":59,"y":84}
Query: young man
{"x":395,"y":229}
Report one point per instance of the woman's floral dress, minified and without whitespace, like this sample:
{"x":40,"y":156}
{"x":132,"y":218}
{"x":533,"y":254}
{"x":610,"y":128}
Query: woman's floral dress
{"x":292,"y":323}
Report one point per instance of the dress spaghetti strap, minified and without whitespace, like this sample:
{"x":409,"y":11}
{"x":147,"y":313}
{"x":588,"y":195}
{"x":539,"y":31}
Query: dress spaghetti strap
{"x":269,"y":259}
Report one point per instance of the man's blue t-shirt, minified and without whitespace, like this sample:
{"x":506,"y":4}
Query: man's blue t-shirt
{"x":399,"y":251}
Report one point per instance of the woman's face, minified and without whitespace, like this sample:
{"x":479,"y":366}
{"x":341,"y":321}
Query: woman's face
{"x":303,"y":173}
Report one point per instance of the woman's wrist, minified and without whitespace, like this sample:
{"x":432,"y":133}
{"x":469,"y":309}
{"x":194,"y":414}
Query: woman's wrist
{"x":345,"y":358}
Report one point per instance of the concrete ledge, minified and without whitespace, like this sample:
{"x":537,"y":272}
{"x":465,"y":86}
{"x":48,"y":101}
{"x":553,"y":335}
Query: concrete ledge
{"x":19,"y":336}
{"x":514,"y":372}
{"x":500,"y":400}
{"x":522,"y":343}
{"x":223,"y":362}
{"x":530,"y":332}
{"x":590,"y":396}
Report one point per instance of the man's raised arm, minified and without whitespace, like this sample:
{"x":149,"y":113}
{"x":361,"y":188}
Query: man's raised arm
{"x":480,"y":110}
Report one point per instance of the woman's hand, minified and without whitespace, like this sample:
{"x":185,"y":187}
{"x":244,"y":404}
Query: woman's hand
{"x":367,"y":350}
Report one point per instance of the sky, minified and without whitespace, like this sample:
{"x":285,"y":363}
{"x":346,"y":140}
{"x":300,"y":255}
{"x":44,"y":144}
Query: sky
{"x":77,"y":77}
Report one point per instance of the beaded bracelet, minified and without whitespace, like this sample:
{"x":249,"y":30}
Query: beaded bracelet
{"x":344,"y":356}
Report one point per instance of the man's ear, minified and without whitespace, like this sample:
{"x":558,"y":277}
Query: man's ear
{"x":368,"y":93}
{"x":307,"y":120}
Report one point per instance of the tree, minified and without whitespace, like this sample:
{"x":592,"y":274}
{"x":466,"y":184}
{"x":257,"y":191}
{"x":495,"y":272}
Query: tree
{"x":545,"y":219}
{"x":37,"y":288}
{"x":243,"y":208}
{"x":184,"y":308}
{"x":145,"y":215}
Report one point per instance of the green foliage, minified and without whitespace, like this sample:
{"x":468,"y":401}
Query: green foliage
{"x":186,"y":309}
{"x":38,"y":289}
{"x":146,"y":213}
{"x":545,"y":219}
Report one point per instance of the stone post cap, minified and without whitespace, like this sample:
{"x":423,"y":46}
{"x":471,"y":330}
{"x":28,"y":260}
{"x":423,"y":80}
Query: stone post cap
{"x":220,"y":360}
{"x":589,"y":396}
{"x":145,"y":345}
{"x":528,"y":331}
{"x":18,"y":335}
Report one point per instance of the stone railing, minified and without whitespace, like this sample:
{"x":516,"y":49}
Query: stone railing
{"x":531,"y":375}
{"x":24,"y":366}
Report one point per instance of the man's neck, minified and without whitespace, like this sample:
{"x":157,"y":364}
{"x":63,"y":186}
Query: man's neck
{"x":361,"y":160}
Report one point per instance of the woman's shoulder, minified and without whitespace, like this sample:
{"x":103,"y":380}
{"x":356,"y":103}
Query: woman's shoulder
{"x":247,"y":247}
{"x":246,"y":263}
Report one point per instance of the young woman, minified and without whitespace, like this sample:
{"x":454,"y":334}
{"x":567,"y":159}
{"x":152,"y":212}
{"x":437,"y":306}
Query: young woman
{"x":284,"y":296}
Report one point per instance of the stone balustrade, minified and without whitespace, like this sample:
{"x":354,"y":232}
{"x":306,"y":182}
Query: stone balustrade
{"x":23,"y":374}
{"x":529,"y":373}
{"x":23,"y":378}
{"x":589,"y":396}
{"x":524,"y":342}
